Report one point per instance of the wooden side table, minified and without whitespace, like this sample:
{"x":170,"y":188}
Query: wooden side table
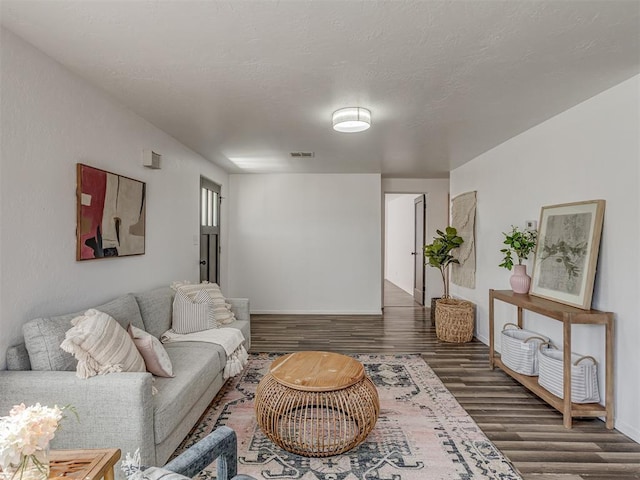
{"x":89,"y":464}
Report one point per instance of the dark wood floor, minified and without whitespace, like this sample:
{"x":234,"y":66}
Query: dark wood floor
{"x":528,"y":431}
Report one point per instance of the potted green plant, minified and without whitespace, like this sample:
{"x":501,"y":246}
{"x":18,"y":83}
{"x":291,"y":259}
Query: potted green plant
{"x":453,"y":318}
{"x":521,"y":243}
{"x":438,"y":253}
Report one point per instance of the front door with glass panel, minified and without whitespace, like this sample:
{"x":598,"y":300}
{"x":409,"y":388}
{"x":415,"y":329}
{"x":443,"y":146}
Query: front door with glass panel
{"x":209,"y":231}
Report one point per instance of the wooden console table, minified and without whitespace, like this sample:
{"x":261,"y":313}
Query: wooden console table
{"x":568,"y":316}
{"x":90,"y":464}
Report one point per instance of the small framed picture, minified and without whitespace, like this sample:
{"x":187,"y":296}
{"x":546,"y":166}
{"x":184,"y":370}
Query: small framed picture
{"x":567,"y":252}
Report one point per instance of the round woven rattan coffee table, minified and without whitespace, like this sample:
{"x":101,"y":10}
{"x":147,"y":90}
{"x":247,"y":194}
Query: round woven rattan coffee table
{"x":316,"y":404}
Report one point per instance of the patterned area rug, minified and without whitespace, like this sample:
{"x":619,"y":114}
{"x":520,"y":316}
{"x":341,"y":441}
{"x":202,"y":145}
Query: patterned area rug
{"x":422,"y":432}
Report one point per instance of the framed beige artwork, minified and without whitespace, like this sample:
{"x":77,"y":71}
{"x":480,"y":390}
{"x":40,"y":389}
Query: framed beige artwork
{"x":110,"y":214}
{"x":567,"y":252}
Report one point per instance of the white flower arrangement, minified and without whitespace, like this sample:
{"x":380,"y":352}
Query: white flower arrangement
{"x":25,"y":432}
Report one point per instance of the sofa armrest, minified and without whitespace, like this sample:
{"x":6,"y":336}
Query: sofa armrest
{"x":114,"y":410}
{"x":240,"y":308}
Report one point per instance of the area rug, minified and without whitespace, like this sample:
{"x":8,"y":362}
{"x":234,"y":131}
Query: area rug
{"x":422,"y":432}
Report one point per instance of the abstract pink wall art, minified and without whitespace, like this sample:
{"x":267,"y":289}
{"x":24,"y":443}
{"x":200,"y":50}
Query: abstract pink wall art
{"x":110,"y":214}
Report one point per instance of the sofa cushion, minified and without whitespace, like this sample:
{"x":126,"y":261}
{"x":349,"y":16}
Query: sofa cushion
{"x":43,"y":336}
{"x":155,"y":307}
{"x":195,"y":366}
{"x":101,"y":346}
{"x":18,"y":358}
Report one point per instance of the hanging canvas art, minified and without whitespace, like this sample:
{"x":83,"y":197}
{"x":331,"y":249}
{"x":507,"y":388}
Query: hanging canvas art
{"x":567,"y":252}
{"x":463,"y":219}
{"x":110,"y":214}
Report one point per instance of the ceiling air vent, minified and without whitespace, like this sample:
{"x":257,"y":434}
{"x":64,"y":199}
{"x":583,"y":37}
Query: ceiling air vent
{"x":302,"y":154}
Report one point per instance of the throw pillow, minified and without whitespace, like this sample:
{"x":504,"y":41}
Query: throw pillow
{"x":221,"y":309}
{"x":192,"y":314}
{"x":155,"y":356}
{"x":154,"y":473}
{"x":101,"y":346}
{"x":132,"y":470}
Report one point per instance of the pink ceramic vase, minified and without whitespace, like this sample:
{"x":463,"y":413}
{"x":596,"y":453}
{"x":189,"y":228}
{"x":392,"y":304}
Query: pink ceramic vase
{"x":520,"y":281}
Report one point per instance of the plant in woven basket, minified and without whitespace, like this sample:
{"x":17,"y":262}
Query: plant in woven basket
{"x":438,"y":253}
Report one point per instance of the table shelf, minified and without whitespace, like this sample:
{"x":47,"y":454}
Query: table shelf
{"x":569,"y":316}
{"x":87,"y":464}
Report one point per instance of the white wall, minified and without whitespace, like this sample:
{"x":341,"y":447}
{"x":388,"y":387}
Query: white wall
{"x":306,"y":243}
{"x":437,"y":211}
{"x":52,"y":119}
{"x":399,"y":240}
{"x":588,"y":152}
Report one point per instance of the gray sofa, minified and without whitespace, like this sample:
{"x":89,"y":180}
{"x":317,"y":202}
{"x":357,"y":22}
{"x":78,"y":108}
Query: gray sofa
{"x":118,"y":409}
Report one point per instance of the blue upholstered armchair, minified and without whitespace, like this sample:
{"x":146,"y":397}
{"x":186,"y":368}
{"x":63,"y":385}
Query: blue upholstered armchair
{"x":220,"y":444}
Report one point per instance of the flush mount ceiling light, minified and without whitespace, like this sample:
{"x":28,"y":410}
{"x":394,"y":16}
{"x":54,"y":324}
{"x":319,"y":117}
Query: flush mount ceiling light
{"x":351,"y":120}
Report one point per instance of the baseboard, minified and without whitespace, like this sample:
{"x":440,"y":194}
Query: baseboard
{"x":628,"y":430}
{"x":315,"y":312}
{"x":483,"y":339}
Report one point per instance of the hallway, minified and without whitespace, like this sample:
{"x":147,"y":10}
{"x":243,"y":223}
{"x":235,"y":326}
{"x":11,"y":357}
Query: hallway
{"x":394,"y":296}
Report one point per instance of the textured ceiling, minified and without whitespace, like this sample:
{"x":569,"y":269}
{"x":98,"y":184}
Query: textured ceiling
{"x":246,"y":82}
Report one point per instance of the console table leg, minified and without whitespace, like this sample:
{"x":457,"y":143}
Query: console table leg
{"x":567,"y":373}
{"x":520,"y":317}
{"x":609,"y":373}
{"x":491,"y":332}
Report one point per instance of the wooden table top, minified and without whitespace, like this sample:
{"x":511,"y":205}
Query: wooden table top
{"x":317,"y":371}
{"x":87,"y":464}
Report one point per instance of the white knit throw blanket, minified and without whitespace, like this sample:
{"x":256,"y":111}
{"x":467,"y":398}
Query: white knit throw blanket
{"x":231,"y":339}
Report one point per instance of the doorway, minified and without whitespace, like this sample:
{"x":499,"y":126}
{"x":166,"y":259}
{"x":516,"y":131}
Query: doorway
{"x":404,"y":270}
{"x":209,"y":231}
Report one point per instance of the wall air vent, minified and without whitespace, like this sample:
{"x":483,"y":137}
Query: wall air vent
{"x":302,"y":154}
{"x":151,"y":159}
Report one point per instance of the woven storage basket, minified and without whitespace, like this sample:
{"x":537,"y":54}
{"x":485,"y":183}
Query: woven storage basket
{"x":454,"y":320}
{"x":520,"y":349}
{"x":584,"y":375}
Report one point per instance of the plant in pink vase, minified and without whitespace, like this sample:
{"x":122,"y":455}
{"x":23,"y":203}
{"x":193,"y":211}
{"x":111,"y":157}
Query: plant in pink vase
{"x":521,"y":243}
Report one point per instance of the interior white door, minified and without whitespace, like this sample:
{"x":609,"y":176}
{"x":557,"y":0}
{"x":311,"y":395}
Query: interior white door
{"x":418,"y":252}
